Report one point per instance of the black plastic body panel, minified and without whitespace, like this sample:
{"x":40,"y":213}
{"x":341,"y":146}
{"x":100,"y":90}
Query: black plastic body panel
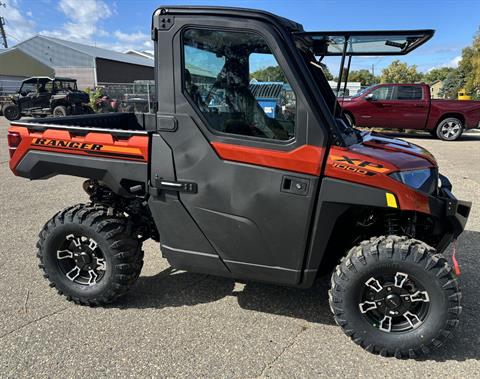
{"x":112,"y":172}
{"x":134,"y":123}
{"x":451,"y":213}
{"x":335,"y":198}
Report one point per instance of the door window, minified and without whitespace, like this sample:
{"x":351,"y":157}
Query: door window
{"x":383,"y":93}
{"x":235,"y":82}
{"x":409,"y":93}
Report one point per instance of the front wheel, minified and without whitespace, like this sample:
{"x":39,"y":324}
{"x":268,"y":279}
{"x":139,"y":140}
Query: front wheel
{"x":11,"y":112}
{"x":395,"y":296}
{"x":449,"y":129}
{"x":89,"y":256}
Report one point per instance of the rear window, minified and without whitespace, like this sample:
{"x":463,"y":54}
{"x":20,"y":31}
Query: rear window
{"x":409,"y":93}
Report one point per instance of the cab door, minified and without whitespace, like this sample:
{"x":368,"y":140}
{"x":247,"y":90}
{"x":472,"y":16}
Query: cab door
{"x":409,"y":107}
{"x":247,"y":179}
{"x":377,"y":107}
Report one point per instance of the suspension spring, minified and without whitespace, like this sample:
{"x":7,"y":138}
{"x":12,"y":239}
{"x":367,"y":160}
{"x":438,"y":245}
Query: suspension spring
{"x":392,"y":224}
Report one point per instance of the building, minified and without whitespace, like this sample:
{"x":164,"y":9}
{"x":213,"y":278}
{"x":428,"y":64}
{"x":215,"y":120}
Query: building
{"x":91,"y":66}
{"x":352,"y":87}
{"x":144,"y":54}
{"x":435,"y":88}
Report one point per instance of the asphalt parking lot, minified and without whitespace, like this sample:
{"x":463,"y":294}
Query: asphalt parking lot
{"x":177,"y":324}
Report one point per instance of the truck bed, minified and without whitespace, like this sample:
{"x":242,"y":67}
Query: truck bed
{"x":112,"y":148}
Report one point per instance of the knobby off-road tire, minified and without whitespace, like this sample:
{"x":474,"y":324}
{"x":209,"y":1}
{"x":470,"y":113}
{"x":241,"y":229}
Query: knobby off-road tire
{"x":11,"y":112}
{"x":109,"y":249}
{"x":60,"y":111}
{"x":437,"y":305}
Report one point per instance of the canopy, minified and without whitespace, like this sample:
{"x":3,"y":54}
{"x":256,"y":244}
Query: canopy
{"x":366,"y":43}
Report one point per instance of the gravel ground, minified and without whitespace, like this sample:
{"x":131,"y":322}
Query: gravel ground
{"x":177,"y":324}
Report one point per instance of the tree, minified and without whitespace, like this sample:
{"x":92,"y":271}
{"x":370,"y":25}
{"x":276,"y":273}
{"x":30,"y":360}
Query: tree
{"x":326,"y":72}
{"x":435,"y":74}
{"x":400,"y":72}
{"x":365,"y":77}
{"x":454,"y":81}
{"x":269,"y":74}
{"x":470,"y":66}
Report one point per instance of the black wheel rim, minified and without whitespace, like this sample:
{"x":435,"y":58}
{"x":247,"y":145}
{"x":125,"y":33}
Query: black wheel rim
{"x":394,"y":302}
{"x":81,"y":260}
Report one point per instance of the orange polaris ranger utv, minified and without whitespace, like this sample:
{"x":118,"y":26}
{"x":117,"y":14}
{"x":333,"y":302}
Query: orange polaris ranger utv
{"x":275,"y":193}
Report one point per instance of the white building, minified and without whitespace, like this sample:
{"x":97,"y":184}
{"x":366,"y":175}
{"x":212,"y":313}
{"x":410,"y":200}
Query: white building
{"x":352,"y":87}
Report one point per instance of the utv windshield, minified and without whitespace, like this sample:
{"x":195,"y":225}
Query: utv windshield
{"x":314,"y":46}
{"x":366,"y":43}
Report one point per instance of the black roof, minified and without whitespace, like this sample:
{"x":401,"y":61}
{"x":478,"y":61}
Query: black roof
{"x":47,"y":78}
{"x":227,"y":11}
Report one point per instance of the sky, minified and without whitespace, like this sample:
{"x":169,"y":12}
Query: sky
{"x":125,"y":24}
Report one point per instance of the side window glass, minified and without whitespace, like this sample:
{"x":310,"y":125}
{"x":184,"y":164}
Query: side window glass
{"x":409,"y":93}
{"x":383,"y":93}
{"x":234,"y":80}
{"x":28,"y":88}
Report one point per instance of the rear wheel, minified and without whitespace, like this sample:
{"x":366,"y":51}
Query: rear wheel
{"x":89,"y":256}
{"x":395,"y":296}
{"x":449,"y":129}
{"x":11,"y":112}
{"x":60,"y":111}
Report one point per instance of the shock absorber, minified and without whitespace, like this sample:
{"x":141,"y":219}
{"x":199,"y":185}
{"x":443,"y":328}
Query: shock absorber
{"x":392,"y":224}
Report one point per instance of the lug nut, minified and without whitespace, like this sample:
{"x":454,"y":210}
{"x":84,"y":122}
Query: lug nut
{"x":379,"y":303}
{"x":389,"y":288}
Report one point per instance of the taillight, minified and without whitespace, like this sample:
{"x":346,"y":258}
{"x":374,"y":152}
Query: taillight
{"x":14,"y":140}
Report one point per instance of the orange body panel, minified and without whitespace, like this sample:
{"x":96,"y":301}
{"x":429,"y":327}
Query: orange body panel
{"x":343,"y":164}
{"x":94,"y":144}
{"x":306,"y":159}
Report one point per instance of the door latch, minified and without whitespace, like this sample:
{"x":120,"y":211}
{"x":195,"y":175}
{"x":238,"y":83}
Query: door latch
{"x":297,"y":186}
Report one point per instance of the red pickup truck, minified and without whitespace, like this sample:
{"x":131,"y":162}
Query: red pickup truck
{"x":409,"y":106}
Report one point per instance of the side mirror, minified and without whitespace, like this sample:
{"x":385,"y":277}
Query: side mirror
{"x":370,"y":97}
{"x":23,"y":93}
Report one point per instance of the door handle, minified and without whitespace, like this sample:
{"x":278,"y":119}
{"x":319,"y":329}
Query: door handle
{"x":169,"y":185}
{"x":419,"y":106}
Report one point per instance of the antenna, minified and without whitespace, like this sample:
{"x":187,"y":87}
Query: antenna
{"x":2,"y":28}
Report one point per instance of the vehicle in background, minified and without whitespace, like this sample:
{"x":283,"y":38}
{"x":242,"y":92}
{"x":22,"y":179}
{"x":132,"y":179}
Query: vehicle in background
{"x":462,"y":95}
{"x":105,"y":104}
{"x":43,"y":96}
{"x":142,"y":98}
{"x":409,"y":106}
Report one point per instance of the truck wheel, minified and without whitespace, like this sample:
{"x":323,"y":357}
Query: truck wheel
{"x":11,"y":112}
{"x":449,"y":129}
{"x":395,"y":296}
{"x":90,"y":257}
{"x":60,"y":111}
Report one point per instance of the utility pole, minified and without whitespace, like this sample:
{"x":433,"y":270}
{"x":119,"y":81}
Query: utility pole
{"x":373,"y":69}
{"x":2,"y":28}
